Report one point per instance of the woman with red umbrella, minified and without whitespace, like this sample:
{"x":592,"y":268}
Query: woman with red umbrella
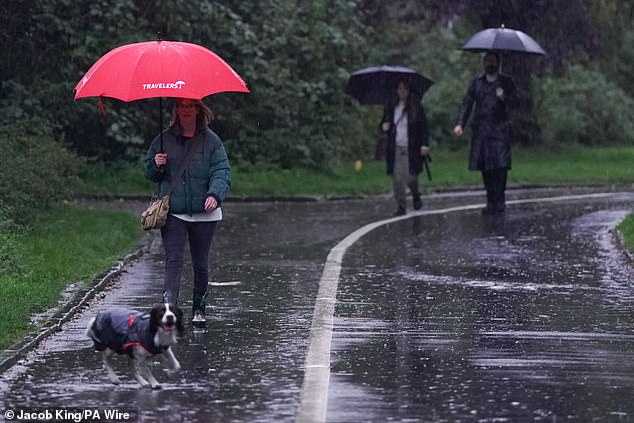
{"x":195,"y":200}
{"x":187,"y":72}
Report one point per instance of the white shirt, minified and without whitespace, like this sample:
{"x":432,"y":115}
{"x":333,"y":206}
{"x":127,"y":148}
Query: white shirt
{"x":400,"y":121}
{"x":200,"y":217}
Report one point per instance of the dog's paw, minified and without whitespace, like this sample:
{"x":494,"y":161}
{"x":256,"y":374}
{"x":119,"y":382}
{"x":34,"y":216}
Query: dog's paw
{"x":174,"y":370}
{"x":143,"y":383}
{"x":114,"y":379}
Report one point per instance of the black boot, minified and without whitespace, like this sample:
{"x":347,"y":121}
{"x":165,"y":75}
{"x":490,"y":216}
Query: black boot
{"x":489,"y":209}
{"x":417,"y":203}
{"x":198,"y":309}
{"x":400,"y":211}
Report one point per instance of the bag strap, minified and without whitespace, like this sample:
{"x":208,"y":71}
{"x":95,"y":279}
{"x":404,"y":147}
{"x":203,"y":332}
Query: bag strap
{"x":400,"y":118}
{"x":181,"y":170}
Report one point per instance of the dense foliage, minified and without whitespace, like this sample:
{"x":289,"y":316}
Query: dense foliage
{"x":296,"y":57}
{"x":38,"y":173}
{"x":589,"y":35}
{"x":584,"y":106}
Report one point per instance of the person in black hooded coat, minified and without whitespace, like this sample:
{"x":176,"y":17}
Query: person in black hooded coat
{"x":493,"y":94}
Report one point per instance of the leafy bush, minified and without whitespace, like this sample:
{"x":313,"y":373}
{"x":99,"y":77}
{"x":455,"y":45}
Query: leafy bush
{"x":296,"y":58}
{"x":583,"y":106}
{"x":38,"y":172}
{"x":10,"y":262}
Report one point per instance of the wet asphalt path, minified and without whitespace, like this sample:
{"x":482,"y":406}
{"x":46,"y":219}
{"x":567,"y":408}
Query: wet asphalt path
{"x":527,"y":317}
{"x":449,"y":317}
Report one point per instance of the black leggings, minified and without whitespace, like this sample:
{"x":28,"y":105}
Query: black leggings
{"x":174,"y":234}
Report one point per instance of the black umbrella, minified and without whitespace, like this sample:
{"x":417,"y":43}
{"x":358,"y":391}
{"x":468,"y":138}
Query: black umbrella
{"x":503,"y":39}
{"x":377,"y":85}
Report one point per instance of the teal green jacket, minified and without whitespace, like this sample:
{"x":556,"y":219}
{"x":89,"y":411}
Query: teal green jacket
{"x":208,"y":172}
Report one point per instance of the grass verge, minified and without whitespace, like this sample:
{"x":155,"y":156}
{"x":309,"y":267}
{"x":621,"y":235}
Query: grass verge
{"x":576,"y":165}
{"x":65,"y":245}
{"x":572,"y":165}
{"x":626,"y":227}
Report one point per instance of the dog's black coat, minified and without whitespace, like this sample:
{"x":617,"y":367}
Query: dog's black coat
{"x":119,"y":329}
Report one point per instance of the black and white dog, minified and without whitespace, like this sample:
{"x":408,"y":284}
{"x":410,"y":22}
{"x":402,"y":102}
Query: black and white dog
{"x":140,"y":336}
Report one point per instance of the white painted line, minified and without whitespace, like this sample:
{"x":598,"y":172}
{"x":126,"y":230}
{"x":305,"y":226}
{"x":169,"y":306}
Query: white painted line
{"x":234,"y":283}
{"x":314,"y":396}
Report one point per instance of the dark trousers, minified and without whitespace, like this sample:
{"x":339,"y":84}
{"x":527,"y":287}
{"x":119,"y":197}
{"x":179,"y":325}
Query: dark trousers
{"x":174,"y":234}
{"x":401,"y":178}
{"x":495,"y":185}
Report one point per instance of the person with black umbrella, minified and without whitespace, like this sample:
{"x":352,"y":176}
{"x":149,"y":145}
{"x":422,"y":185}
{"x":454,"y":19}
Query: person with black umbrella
{"x":493,"y":94}
{"x":405,"y":123}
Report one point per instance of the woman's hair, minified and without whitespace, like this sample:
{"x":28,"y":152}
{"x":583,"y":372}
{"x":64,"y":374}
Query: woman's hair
{"x":204,"y":115}
{"x":410,"y":102}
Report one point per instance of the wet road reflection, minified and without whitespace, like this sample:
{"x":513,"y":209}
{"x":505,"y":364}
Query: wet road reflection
{"x":464,"y":318}
{"x":247,"y":365}
{"x":526,"y":317}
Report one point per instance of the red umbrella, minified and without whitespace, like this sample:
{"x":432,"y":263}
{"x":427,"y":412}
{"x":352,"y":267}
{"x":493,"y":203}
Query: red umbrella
{"x":159,"y":69}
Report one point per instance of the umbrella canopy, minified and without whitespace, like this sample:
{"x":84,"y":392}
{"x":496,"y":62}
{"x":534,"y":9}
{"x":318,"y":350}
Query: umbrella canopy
{"x":377,"y":85}
{"x":159,"y":69}
{"x":503,"y":39}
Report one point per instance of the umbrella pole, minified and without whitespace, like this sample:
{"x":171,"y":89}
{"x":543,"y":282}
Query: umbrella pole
{"x":161,"y":121}
{"x":162,"y":167}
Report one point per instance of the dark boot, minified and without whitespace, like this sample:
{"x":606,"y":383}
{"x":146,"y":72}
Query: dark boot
{"x":499,"y":188}
{"x":400,"y":211}
{"x":198,"y":309}
{"x":489,"y":209}
{"x":417,"y":203}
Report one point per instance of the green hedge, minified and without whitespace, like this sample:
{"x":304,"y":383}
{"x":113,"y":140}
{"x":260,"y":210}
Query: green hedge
{"x":37,"y":172}
{"x":583,"y":106}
